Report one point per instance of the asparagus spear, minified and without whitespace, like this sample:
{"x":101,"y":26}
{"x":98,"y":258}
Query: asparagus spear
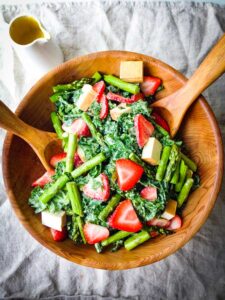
{"x":62,"y":180}
{"x":57,"y":125}
{"x":162,"y":130}
{"x":55,"y":97}
{"x":184,"y":191}
{"x":75,"y":85}
{"x":115,"y":237}
{"x":163,"y":163}
{"x":97,"y":135}
{"x":136,"y":240}
{"x":174,"y":156}
{"x":54,"y":189}
{"x":176,"y":173}
{"x":74,"y":196}
{"x":98,"y":247}
{"x":125,"y":86}
{"x":80,"y":226}
{"x":97,"y":77}
{"x":72,"y":147}
{"x":112,"y":203}
{"x":190,"y":163}
{"x":182,"y":176}
{"x":189,"y":173}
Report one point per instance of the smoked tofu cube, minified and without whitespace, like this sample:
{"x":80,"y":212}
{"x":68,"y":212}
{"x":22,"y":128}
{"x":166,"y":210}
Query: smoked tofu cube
{"x":151,"y":151}
{"x":131,"y":71}
{"x":117,"y":111}
{"x":54,"y":220}
{"x":86,"y":98}
{"x":170,"y":210}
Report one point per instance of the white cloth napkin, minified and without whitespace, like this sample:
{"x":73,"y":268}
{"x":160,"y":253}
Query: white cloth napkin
{"x":178,"y":33}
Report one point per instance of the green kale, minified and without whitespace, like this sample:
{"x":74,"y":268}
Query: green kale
{"x":34,"y":200}
{"x":117,"y":245}
{"x":89,"y":146}
{"x":92,"y":209}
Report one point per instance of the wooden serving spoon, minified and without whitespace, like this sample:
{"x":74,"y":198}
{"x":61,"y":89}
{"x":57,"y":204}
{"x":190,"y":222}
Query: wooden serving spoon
{"x":174,"y":106}
{"x":45,"y":144}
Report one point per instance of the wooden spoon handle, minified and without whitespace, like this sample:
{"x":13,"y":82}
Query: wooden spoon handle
{"x":10,"y":122}
{"x":212,"y":67}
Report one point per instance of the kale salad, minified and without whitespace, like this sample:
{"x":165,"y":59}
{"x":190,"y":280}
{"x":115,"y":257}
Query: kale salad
{"x":120,"y":179}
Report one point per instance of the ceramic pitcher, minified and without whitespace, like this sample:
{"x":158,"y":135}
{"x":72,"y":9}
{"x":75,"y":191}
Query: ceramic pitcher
{"x":34,"y":45}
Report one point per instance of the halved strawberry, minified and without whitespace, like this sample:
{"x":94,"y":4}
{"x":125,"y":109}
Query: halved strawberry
{"x":59,"y":236}
{"x":143,"y":128}
{"x":150,"y":85}
{"x":128,"y":173}
{"x":44,"y":179}
{"x":99,"y":88}
{"x":57,"y":158}
{"x":153,"y":234}
{"x":163,"y":223}
{"x":79,"y":127}
{"x":104,"y":107}
{"x":149,"y":193}
{"x":98,"y":188}
{"x":135,"y":98}
{"x":121,"y":99}
{"x":125,"y":218}
{"x":175,"y":223}
{"x":160,"y":121}
{"x":95,"y":233}
{"x":77,"y":160}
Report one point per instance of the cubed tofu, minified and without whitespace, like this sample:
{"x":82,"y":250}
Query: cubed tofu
{"x":119,"y":110}
{"x":86,"y":98}
{"x":170,"y":210}
{"x":131,"y":71}
{"x":151,"y":151}
{"x":54,"y":220}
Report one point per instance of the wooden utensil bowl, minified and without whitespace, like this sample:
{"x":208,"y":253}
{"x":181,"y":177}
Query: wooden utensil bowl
{"x":199,"y":131}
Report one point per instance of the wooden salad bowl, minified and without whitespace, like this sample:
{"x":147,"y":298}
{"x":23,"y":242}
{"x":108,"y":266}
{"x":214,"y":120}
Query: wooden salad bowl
{"x":199,"y":131}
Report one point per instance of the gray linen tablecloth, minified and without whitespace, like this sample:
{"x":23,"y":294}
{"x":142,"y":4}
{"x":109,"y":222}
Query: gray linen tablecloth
{"x":179,"y":34}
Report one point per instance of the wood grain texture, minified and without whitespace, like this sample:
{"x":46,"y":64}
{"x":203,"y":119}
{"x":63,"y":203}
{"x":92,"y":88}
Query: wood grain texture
{"x":173,"y":107}
{"x":199,"y":131}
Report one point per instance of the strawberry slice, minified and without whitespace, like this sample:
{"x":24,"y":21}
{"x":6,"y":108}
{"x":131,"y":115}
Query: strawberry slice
{"x":128,"y":173}
{"x":98,"y":188}
{"x":99,"y":88}
{"x":160,"y":121}
{"x":95,"y":233}
{"x":59,"y":236}
{"x":149,"y":193}
{"x":125,"y":218}
{"x":44,"y":179}
{"x":175,"y":223}
{"x":121,"y":99}
{"x":163,"y":223}
{"x":57,"y":158}
{"x":143,"y":128}
{"x":78,"y":127}
{"x":150,"y":85}
{"x":77,"y":160}
{"x":153,"y":234}
{"x":105,"y":107}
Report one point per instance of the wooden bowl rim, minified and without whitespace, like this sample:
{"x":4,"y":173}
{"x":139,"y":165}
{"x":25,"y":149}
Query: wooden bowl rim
{"x":141,"y":261}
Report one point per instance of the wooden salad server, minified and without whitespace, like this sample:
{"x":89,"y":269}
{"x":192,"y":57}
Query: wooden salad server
{"x":174,"y":106}
{"x":45,"y":144}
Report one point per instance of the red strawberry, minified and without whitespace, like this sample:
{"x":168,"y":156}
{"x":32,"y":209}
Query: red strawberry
{"x":125,"y":218}
{"x":160,"y":121}
{"x":95,"y":233}
{"x":154,"y":234}
{"x":79,"y":127}
{"x":59,"y":236}
{"x":144,"y":129}
{"x":128,"y":173}
{"x":44,"y":179}
{"x":98,"y":189}
{"x":163,"y":223}
{"x":149,"y":193}
{"x":135,"y":98}
{"x":105,"y":107}
{"x":57,"y":158}
{"x":77,"y":160}
{"x":99,"y":88}
{"x":121,"y":99}
{"x":175,"y":223}
{"x":150,"y":85}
